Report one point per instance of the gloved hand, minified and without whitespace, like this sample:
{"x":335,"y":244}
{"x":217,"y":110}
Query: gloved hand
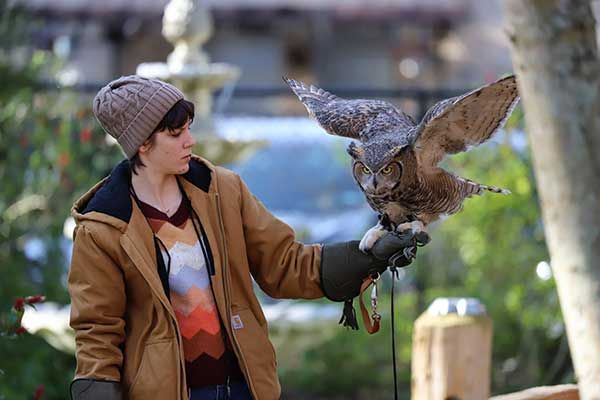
{"x":91,"y":389}
{"x":344,"y":266}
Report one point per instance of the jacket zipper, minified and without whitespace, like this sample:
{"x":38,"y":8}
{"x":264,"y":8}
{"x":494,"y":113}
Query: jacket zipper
{"x":227,"y":298}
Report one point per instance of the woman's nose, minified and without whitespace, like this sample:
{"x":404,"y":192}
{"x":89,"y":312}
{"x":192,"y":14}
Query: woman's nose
{"x":191,"y":140}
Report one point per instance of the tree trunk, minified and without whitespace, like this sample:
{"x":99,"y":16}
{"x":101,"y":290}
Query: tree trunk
{"x":555,"y":55}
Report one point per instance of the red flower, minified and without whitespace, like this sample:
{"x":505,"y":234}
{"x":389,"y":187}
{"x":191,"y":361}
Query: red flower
{"x":20,"y":330}
{"x":19,"y":303}
{"x":85,"y":135}
{"x":64,"y":159}
{"x":35,"y":299}
{"x":39,"y":392}
{"x":24,"y":140}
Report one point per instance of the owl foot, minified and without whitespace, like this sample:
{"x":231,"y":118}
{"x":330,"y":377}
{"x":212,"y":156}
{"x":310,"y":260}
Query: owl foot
{"x":417,"y":228}
{"x":371,"y":237}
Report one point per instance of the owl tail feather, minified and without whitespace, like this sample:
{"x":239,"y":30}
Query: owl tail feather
{"x":494,"y":189}
{"x":474,"y":188}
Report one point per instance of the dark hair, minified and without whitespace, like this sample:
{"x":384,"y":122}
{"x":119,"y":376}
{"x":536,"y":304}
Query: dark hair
{"x":175,"y":118}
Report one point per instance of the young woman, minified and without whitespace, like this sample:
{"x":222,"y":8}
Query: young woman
{"x":165,"y":250}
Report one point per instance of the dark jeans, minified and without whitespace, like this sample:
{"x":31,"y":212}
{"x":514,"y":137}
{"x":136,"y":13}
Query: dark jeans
{"x":233,"y":391}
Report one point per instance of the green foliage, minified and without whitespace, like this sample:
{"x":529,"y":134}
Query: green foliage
{"x":344,"y":364}
{"x":50,"y":150}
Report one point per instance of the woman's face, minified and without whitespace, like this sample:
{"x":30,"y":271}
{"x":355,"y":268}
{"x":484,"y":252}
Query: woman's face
{"x":170,"y":151}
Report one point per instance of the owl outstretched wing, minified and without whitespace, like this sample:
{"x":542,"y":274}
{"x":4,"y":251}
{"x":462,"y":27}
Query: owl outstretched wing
{"x":356,"y":119}
{"x":453,"y":125}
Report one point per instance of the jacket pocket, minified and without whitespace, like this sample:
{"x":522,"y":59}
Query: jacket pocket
{"x":258,"y":353}
{"x":156,"y":377}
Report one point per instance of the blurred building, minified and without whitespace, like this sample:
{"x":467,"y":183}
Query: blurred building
{"x":360,"y":44}
{"x":338,"y":43}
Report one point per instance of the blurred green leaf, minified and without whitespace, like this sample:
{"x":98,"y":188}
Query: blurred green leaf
{"x":41,"y":174}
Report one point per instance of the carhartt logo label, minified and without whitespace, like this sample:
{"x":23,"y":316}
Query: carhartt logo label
{"x":236,"y":322}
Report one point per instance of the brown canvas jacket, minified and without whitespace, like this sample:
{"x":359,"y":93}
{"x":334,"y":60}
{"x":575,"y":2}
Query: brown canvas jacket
{"x":126,"y":330}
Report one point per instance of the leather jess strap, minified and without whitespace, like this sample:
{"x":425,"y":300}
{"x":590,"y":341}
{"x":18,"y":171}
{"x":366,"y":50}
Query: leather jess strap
{"x":399,"y":260}
{"x":371,"y":327}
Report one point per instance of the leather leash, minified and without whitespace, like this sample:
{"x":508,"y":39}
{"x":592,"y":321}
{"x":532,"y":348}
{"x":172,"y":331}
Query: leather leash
{"x":395,"y":275}
{"x":372,"y":322}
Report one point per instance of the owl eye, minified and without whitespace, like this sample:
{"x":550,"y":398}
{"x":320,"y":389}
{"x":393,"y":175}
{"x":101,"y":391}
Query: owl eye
{"x":366,"y":170}
{"x":387,"y":170}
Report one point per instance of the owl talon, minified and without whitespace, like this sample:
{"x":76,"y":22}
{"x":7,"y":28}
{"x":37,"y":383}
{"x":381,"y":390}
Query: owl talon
{"x":415,"y":226}
{"x":385,"y":222}
{"x":371,"y":237}
{"x":422,"y":238}
{"x":403,"y":227}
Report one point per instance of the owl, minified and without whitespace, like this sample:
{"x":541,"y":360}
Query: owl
{"x":395,"y":160}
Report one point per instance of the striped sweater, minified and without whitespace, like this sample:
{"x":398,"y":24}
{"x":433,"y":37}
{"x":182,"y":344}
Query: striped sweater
{"x":209,"y":359}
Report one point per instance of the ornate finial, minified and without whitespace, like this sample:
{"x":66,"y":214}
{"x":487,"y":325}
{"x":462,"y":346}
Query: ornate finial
{"x":187,"y":24}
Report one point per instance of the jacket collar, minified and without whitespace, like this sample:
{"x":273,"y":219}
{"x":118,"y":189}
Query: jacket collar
{"x":111,"y":197}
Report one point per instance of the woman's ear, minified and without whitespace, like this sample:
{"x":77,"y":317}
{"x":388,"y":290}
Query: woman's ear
{"x":145,"y":147}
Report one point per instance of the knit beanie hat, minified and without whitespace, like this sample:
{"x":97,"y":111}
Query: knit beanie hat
{"x":130,"y":108}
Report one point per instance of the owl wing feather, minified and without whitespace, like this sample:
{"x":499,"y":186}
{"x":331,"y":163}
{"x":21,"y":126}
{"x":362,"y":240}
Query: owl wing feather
{"x":453,"y":125}
{"x":356,"y":119}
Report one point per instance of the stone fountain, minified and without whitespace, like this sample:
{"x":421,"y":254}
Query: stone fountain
{"x":188,"y":25}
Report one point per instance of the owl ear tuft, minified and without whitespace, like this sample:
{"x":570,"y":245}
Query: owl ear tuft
{"x":355,"y":151}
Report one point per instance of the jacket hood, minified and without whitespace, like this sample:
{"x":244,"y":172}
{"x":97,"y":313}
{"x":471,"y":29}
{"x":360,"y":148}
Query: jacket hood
{"x":110,"y":202}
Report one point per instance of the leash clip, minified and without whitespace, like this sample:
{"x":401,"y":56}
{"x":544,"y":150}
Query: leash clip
{"x":374,"y":292}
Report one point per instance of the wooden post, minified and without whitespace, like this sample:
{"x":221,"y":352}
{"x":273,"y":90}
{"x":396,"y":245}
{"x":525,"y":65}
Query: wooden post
{"x":452,"y":351}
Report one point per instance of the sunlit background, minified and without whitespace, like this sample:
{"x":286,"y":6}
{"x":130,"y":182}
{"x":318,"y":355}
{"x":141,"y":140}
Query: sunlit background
{"x":55,"y":55}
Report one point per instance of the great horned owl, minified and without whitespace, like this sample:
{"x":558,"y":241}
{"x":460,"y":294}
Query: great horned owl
{"x":395,"y":163}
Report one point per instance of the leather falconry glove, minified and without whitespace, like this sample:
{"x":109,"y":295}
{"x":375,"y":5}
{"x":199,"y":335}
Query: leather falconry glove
{"x":344,"y":266}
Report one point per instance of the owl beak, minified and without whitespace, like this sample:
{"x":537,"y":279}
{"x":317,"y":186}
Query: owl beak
{"x":372,"y":185}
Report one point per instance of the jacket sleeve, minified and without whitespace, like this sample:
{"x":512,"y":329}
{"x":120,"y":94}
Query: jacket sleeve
{"x":282,"y":266}
{"x":97,"y":293}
